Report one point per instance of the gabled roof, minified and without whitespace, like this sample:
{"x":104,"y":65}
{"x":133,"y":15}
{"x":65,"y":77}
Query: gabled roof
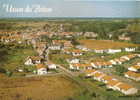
{"x":90,"y":71}
{"x":136,"y":67}
{"x":102,"y":63}
{"x":133,"y":74}
{"x":124,"y":86}
{"x":107,"y":78}
{"x":81,"y":65}
{"x":123,"y":59}
{"x":98,"y":74}
{"x":113,"y":82}
{"x":131,"y":56}
{"x":39,"y":66}
{"x":108,"y":63}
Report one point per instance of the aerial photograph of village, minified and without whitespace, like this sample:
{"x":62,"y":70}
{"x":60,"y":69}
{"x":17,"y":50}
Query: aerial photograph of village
{"x":70,"y":58}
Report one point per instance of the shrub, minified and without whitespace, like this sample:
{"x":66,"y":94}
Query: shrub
{"x":2,"y":70}
{"x":9,"y":73}
{"x":120,"y":69}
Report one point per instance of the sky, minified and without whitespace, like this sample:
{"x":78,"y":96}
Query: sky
{"x":72,"y":8}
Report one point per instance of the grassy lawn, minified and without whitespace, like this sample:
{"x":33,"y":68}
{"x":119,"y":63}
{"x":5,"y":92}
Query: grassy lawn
{"x":116,"y":55}
{"x":132,"y":62}
{"x":16,"y":58}
{"x":60,"y":59}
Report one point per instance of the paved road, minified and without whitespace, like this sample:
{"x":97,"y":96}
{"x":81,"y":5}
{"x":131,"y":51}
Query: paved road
{"x":66,"y":70}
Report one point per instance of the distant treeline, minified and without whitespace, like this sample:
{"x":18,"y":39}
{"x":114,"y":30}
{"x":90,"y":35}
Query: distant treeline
{"x":103,"y":27}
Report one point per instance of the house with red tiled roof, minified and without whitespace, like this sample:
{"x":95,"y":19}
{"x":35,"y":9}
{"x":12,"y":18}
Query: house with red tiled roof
{"x":67,"y":34}
{"x":33,"y":60}
{"x":65,"y":43}
{"x":97,"y":64}
{"x":113,"y":62}
{"x":79,"y":66}
{"x":122,"y":87}
{"x":98,"y":76}
{"x":135,"y":68}
{"x":90,"y":72}
{"x":127,"y":89}
{"x":74,"y":52}
{"x":131,"y":56}
{"x":51,"y":65}
{"x":124,"y":38}
{"x":83,"y":48}
{"x":123,"y":59}
{"x":106,"y":78}
{"x":41,"y":69}
{"x":13,"y":38}
{"x":77,"y":52}
{"x":111,"y":82}
{"x":101,"y":64}
{"x":132,"y":75}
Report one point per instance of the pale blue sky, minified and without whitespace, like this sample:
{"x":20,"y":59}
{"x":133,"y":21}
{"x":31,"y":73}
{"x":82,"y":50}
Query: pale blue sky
{"x":77,"y":8}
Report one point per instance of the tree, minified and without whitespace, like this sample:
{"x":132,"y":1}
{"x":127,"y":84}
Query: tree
{"x":135,"y":37}
{"x":2,"y":70}
{"x":9,"y":73}
{"x":120,"y":69}
{"x":45,"y":38}
{"x":74,"y":42}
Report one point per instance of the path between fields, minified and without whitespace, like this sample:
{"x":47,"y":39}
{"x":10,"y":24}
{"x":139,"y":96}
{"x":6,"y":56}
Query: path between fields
{"x":48,"y":74}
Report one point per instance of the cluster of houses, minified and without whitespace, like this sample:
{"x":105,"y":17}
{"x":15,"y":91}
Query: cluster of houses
{"x":60,"y":44}
{"x":75,"y":65}
{"x":11,"y":38}
{"x":41,"y":66}
{"x":66,"y":34}
{"x":41,"y":69}
{"x":111,"y":82}
{"x":133,"y":72}
{"x":108,"y":51}
{"x":19,"y":37}
{"x":41,"y":47}
{"x":33,"y":60}
{"x":9,"y":33}
{"x":113,"y":51}
{"x":102,"y":64}
{"x":78,"y":66}
{"x":73,"y":52}
{"x":124,"y":37}
{"x":123,"y":59}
